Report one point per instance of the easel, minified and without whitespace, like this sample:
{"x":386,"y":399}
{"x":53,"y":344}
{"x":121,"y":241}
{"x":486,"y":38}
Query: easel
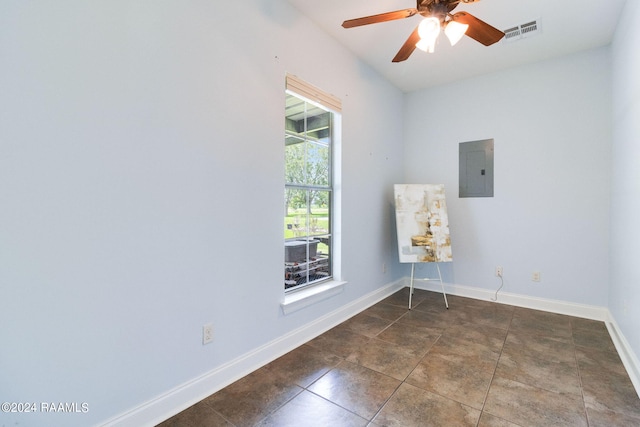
{"x":413,"y":269}
{"x":422,"y":228}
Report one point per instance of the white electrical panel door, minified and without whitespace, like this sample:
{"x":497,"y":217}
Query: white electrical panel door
{"x":476,"y":168}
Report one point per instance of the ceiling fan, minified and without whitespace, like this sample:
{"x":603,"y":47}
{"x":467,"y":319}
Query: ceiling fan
{"x":437,"y":15}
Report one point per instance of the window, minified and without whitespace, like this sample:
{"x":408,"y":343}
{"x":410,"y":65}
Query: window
{"x":309,"y":182}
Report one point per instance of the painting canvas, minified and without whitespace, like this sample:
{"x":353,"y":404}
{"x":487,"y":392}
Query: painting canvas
{"x":422,"y":223}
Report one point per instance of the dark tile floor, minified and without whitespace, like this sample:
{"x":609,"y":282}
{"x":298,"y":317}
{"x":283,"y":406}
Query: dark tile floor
{"x":477,"y":364}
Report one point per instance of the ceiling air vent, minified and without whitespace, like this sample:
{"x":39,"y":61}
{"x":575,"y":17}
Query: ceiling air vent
{"x":513,"y":32}
{"x":522,"y":31}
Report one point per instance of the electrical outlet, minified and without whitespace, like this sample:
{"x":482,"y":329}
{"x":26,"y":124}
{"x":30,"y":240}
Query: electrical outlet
{"x":535,"y":276}
{"x":207,"y":333}
{"x":499,"y":271}
{"x":384,"y":267}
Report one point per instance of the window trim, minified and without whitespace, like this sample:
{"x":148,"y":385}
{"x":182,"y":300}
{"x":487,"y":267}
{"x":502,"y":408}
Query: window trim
{"x":312,"y":93}
{"x":294,"y":299}
{"x":309,"y":295}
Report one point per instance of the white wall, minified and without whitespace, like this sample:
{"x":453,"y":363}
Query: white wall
{"x":141,"y":177}
{"x":625,"y":195}
{"x":550,"y":213}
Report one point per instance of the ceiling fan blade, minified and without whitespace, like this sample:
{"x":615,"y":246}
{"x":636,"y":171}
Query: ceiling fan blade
{"x":479,"y":30}
{"x":382,"y":17}
{"x":408,"y":47}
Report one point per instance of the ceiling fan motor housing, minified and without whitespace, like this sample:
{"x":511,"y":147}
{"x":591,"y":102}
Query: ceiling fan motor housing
{"x":437,"y":9}
{"x":474,"y":28}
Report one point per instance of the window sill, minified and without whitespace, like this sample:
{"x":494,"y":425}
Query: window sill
{"x":298,"y":300}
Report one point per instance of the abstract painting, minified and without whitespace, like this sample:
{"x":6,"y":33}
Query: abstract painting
{"x":422,"y":223}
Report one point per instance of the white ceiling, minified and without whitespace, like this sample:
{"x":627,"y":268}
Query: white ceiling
{"x":566,"y":26}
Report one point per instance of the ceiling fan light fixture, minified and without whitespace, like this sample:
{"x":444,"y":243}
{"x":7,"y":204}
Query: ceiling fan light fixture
{"x":437,"y":16}
{"x":454,"y":31}
{"x":428,"y":30}
{"x":425,"y":46}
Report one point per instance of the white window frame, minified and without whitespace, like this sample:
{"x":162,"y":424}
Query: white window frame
{"x":296,"y":299}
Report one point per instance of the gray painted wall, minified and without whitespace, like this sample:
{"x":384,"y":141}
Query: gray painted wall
{"x":551,"y":124}
{"x":141,"y":179}
{"x":136,"y":138}
{"x":625,"y":195}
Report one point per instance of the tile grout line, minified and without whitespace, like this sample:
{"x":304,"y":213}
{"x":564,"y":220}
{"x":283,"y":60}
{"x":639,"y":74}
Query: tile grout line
{"x":575,"y":336}
{"x":370,"y":421}
{"x":495,"y":369}
{"x":575,"y":356}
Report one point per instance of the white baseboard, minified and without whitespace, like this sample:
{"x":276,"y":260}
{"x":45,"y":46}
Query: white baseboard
{"x":627,"y":355}
{"x":191,"y":392}
{"x":554,"y":306}
{"x":172,"y":402}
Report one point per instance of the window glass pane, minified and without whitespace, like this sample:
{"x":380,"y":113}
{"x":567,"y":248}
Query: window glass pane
{"x":317,"y":163}
{"x":294,"y":150}
{"x":307,"y":217}
{"x":319,"y":212}
{"x":306,"y":261}
{"x":317,"y":123}
{"x":295,"y":217}
{"x":306,"y":273}
{"x":323,"y":254}
{"x":294,"y":114}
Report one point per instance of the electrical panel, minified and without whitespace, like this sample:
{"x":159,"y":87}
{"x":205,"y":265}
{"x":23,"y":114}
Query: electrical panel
{"x":476,"y":168}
